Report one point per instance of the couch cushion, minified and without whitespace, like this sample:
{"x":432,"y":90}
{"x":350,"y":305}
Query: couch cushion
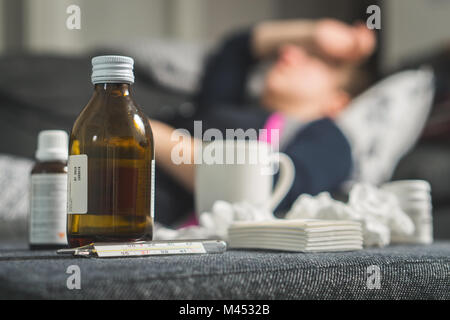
{"x":39,"y":92}
{"x":406,"y":272}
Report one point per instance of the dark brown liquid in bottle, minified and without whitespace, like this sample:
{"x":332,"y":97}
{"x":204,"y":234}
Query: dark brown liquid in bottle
{"x":117,"y":139}
{"x":42,"y":168}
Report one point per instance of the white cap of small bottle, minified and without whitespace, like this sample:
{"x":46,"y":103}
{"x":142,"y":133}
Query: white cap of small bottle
{"x":52,"y":145}
{"x":112,"y":69}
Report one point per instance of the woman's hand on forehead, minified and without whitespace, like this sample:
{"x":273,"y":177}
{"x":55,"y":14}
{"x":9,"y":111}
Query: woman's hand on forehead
{"x":337,"y":41}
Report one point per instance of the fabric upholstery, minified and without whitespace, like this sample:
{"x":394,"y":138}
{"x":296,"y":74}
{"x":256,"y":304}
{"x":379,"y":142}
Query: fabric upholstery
{"x":406,"y":272}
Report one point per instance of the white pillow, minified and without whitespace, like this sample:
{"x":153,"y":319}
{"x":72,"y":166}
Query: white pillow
{"x":384,"y":123}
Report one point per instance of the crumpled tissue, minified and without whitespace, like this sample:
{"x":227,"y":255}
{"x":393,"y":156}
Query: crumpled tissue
{"x":378,"y":211}
{"x":215,"y":224}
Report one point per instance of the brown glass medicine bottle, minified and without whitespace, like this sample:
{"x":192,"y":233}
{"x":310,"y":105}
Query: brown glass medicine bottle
{"x":48,"y":193}
{"x":111,"y":162}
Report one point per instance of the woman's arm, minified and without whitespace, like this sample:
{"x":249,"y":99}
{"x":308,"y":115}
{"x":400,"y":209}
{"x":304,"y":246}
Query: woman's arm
{"x":269,"y":36}
{"x":328,"y":38}
{"x":183,"y":173}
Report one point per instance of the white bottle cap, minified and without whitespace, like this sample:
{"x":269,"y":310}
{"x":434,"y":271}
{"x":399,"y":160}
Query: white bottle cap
{"x":112,"y":69}
{"x":52,"y":145}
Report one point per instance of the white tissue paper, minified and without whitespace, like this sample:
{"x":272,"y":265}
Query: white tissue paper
{"x":215,"y":224}
{"x":378,"y":211}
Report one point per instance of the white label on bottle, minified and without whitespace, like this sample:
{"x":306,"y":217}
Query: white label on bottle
{"x":48,"y":208}
{"x":77,"y":184}
{"x":152,"y":196}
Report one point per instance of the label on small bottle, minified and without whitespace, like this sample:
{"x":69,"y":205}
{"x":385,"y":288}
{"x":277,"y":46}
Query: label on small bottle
{"x":48,"y":208}
{"x":77,"y":184}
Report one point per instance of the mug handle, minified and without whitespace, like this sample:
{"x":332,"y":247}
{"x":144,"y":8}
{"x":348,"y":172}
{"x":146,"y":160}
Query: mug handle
{"x":285,"y":180}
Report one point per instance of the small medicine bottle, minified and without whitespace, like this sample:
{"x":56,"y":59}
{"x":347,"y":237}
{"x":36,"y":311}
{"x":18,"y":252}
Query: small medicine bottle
{"x":48,"y":196}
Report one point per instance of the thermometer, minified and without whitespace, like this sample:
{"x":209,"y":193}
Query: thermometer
{"x":147,"y":248}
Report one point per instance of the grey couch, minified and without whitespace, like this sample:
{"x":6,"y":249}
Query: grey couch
{"x":395,"y":272}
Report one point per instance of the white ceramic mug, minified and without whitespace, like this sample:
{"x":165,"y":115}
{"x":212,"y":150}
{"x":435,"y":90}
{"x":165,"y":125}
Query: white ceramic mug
{"x":236,"y":171}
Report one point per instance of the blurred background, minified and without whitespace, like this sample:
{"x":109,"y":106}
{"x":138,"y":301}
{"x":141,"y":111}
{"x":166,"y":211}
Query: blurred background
{"x":45,"y":67}
{"x":409,"y":27}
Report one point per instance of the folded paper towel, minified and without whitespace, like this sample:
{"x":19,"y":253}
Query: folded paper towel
{"x":299,"y":235}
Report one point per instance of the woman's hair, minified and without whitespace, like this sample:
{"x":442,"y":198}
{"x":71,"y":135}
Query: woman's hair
{"x":357,"y":79}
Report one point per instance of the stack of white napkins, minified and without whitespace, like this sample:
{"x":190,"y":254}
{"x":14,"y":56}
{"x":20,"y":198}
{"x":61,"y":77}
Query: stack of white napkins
{"x":298,"y":235}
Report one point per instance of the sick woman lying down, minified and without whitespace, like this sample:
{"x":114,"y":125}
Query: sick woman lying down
{"x":313,"y":76}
